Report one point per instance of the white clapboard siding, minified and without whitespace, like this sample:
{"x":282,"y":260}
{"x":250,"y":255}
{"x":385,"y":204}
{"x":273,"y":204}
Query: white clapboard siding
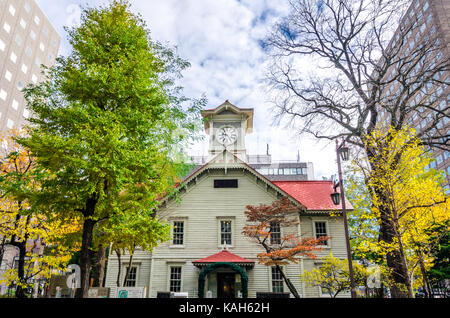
{"x":201,"y":207}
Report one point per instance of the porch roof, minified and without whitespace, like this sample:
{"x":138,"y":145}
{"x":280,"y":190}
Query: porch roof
{"x":224,"y":256}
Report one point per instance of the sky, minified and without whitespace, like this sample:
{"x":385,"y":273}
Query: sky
{"x":222,"y":41}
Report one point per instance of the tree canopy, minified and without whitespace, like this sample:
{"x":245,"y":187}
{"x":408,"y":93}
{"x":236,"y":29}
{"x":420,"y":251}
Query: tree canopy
{"x":109,"y":122}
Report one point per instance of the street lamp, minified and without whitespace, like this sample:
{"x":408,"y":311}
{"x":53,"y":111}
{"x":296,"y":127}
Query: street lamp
{"x":336,"y":197}
{"x":343,"y":151}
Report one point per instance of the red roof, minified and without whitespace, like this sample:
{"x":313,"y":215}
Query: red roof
{"x":224,"y":257}
{"x":315,"y":195}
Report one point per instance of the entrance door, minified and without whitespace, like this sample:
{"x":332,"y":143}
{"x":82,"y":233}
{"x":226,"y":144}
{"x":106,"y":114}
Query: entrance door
{"x":225,"y":285}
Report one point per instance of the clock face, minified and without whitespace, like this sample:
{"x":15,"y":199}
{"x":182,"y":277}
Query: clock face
{"x":226,"y":135}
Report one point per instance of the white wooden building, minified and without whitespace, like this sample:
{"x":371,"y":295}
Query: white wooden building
{"x":209,"y":220}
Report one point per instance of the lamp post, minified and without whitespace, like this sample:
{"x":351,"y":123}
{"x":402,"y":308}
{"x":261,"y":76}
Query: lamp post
{"x":343,"y":151}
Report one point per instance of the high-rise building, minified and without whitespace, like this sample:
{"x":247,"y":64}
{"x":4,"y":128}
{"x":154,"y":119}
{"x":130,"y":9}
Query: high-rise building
{"x":425,"y":21}
{"x":27,"y":40}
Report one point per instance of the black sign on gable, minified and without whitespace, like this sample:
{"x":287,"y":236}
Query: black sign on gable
{"x":226,"y":183}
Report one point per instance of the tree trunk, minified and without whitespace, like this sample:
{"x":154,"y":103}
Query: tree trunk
{"x":396,"y":262}
{"x":85,"y":260}
{"x":129,"y":267}
{"x":394,"y":259}
{"x":22,"y":246}
{"x":288,"y":282}
{"x":426,"y":284}
{"x":100,"y":266}
{"x":2,"y":250}
{"x":379,"y":292}
{"x":20,"y":292}
{"x":119,"y":260}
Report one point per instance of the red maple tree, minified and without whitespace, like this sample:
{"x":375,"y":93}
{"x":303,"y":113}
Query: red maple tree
{"x":275,"y":228}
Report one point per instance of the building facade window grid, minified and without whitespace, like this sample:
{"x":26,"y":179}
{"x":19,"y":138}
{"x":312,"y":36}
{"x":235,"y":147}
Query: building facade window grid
{"x":178,"y":233}
{"x":275,"y":233}
{"x":175,"y":279}
{"x":428,"y":22}
{"x":225,"y":232}
{"x":321,"y":231}
{"x":277,"y":281}
{"x":282,"y":171}
{"x":132,"y":277}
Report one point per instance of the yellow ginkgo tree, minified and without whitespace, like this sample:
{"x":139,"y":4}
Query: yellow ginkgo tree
{"x":44,"y":243}
{"x":399,"y":180}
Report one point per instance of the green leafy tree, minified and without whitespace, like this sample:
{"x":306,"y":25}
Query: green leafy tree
{"x":333,"y":277}
{"x":109,"y":119}
{"x":439,"y":273}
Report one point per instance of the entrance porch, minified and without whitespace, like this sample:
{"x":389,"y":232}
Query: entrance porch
{"x":223,"y":275}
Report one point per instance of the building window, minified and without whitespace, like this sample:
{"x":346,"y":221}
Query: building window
{"x":225,"y":232}
{"x":321,"y":231}
{"x":433,"y":164}
{"x":2,"y":45}
{"x":24,"y":69}
{"x":446,"y":154}
{"x":13,"y":57}
{"x":422,"y":28}
{"x":8,"y":76}
{"x":10,"y":123}
{"x":178,"y":233}
{"x":37,"y":20}
{"x":12,"y":10}
{"x":275,"y":233}
{"x":15,"y":104}
{"x":15,"y":262}
{"x":23,"y":24}
{"x":34,"y":78}
{"x":32,"y":35}
{"x":18,"y":40}
{"x":27,"y":7}
{"x":277,"y":281}
{"x":175,"y":279}
{"x":6,"y":27}
{"x":132,"y":276}
{"x":3,"y":94}
{"x":227,"y":183}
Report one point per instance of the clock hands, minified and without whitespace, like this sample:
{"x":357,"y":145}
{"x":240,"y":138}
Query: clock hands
{"x":226,"y":135}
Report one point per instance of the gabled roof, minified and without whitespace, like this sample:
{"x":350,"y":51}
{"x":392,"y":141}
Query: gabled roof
{"x":240,"y":164}
{"x":309,"y":195}
{"x":315,"y":195}
{"x":224,"y":256}
{"x":227,"y":106}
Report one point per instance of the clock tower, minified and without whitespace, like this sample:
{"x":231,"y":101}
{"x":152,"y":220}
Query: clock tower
{"x":227,"y":126}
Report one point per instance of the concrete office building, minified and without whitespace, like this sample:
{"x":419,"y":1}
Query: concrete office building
{"x":27,"y":40}
{"x":424,"y":20}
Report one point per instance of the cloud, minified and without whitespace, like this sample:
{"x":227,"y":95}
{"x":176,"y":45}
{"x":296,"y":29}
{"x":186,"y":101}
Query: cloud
{"x":222,"y":39}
